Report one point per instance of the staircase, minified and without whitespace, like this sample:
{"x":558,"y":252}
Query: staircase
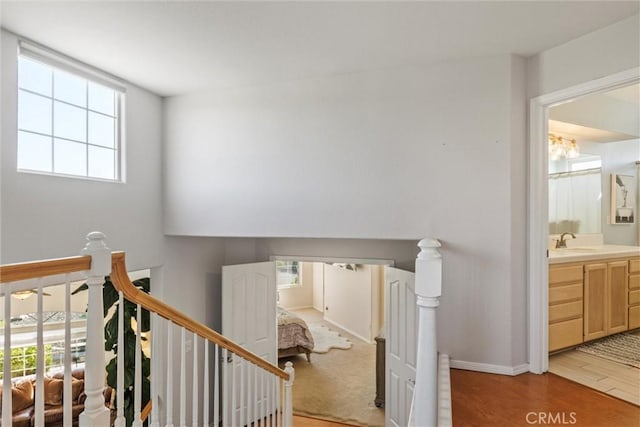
{"x":208,"y":390}
{"x":220,"y":383}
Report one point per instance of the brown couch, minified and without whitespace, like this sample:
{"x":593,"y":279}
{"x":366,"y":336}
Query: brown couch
{"x":23,"y":393}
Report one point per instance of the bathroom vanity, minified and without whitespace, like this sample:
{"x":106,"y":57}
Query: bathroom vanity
{"x":594,"y":291}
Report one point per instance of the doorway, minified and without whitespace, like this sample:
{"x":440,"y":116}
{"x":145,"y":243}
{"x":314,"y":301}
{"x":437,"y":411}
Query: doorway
{"x":340,"y":302}
{"x":538,"y":208}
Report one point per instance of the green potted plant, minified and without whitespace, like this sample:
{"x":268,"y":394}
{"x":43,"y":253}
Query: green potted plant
{"x":111,"y":306}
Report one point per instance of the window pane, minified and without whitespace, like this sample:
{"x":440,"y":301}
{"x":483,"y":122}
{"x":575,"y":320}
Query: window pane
{"x":101,"y":99}
{"x":69,"y":157}
{"x":34,"y":76}
{"x":34,"y":152}
{"x":69,"y":122}
{"x":69,"y":88}
{"x":34,"y":113}
{"x":101,"y":163}
{"x":101,"y":130}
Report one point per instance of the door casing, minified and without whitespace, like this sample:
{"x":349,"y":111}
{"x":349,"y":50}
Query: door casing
{"x":538,"y":208}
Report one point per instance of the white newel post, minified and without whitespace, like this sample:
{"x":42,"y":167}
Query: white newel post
{"x":428,"y":287}
{"x":95,"y":412}
{"x":288,"y":395}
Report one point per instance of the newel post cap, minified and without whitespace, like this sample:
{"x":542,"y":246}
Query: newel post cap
{"x":99,"y":252}
{"x":429,"y":269}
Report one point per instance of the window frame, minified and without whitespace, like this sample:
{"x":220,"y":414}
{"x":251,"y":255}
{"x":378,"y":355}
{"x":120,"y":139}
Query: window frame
{"x":298,"y":274}
{"x":57,"y":61}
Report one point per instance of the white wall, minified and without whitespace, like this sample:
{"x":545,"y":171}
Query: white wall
{"x":598,"y":54}
{"x":349,"y":297}
{"x":620,"y":158}
{"x":46,"y":216}
{"x":393,"y":154}
{"x":318,"y":286}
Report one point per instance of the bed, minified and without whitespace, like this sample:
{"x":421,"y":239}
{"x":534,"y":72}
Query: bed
{"x":294,"y":336}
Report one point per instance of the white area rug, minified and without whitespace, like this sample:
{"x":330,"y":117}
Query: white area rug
{"x":325,"y":339}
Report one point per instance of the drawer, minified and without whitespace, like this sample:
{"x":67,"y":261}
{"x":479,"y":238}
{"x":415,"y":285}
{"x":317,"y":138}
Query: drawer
{"x":565,"y":274}
{"x":634,"y":265}
{"x":634,"y":297}
{"x":634,"y":317}
{"x":634,"y":282}
{"x":565,"y":334}
{"x":565,"y":311}
{"x":565,"y":293}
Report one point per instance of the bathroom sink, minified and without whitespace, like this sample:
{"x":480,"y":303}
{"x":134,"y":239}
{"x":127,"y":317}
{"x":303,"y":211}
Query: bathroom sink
{"x":578,"y":250}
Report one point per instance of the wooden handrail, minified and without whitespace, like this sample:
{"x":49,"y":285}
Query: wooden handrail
{"x":122,"y":283}
{"x":145,"y":411}
{"x":36,"y":269}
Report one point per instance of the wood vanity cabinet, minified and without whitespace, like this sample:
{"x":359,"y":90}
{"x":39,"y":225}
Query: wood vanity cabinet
{"x":634,"y":293}
{"x":605,"y":298}
{"x":590,"y":300}
{"x":565,"y":305}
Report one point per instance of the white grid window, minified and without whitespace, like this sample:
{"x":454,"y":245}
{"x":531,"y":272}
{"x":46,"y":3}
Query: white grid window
{"x":288,"y":274}
{"x":68,"y":124}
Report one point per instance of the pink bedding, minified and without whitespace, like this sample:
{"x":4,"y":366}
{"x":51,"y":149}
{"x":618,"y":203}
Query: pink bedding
{"x":292,"y":331}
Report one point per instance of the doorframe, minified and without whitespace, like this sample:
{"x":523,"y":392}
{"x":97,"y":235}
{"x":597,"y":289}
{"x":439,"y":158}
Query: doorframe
{"x":538,"y":208}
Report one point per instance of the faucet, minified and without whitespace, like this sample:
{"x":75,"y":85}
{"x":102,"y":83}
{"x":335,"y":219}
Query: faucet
{"x":563,"y":243}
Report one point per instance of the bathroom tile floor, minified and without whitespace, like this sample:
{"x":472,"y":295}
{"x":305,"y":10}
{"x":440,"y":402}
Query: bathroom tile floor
{"x":615,"y":379}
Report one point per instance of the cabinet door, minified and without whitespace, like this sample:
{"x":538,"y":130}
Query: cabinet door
{"x":617,"y":318}
{"x":595,"y":301}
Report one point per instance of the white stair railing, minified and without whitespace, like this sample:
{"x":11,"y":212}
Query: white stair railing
{"x":240,"y":389}
{"x":428,"y":288}
{"x":246,"y":389}
{"x":27,"y":287}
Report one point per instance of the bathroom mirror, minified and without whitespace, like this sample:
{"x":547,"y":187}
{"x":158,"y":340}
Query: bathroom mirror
{"x":575,"y":195}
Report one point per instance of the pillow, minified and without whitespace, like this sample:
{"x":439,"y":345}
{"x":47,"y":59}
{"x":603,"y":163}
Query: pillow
{"x":77,"y":386}
{"x":21,"y":395}
{"x":52,"y":391}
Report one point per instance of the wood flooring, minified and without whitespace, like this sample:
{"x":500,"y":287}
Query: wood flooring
{"x":480,"y":399}
{"x":490,"y":400}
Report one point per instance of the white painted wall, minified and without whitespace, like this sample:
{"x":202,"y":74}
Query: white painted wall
{"x":620,"y":158}
{"x":46,"y":216}
{"x":318,"y":286}
{"x":301,"y":296}
{"x":389,"y":154}
{"x":350,"y":297}
{"x":598,"y":54}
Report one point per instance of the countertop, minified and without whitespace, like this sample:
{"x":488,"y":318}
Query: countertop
{"x":589,"y":253}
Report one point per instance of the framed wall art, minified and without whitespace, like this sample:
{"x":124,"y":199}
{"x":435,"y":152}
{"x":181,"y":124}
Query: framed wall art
{"x":623,"y":199}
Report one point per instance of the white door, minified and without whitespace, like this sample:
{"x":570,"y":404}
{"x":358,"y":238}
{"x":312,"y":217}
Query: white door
{"x":401,"y":326}
{"x":248,"y":319}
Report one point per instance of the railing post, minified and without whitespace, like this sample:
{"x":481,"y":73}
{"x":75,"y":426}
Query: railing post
{"x":288,"y":395}
{"x":95,"y":412}
{"x":428,"y":287}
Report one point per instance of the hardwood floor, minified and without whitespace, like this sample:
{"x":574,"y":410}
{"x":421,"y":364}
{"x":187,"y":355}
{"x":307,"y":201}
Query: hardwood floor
{"x":497,"y":400}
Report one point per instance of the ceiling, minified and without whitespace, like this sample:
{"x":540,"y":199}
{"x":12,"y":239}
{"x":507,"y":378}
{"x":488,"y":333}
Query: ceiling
{"x":608,"y":116}
{"x":181,"y":46}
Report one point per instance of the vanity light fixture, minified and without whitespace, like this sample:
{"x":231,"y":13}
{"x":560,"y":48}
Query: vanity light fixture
{"x":560,"y":147}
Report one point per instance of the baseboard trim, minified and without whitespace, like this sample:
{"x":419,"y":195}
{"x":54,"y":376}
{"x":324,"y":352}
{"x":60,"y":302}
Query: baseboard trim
{"x":302,"y":307}
{"x":348,"y":330}
{"x":489,"y":368}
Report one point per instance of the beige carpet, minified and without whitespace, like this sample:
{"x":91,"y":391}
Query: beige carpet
{"x":338,"y":385}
